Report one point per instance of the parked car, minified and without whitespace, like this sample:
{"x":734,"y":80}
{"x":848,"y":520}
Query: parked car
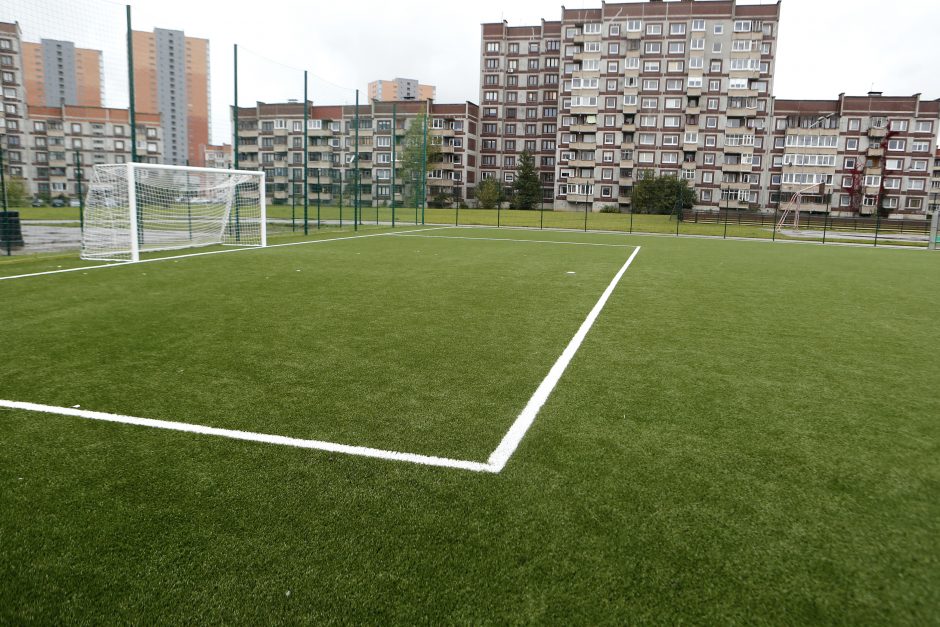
{"x":57,"y":202}
{"x":37,"y":202}
{"x":75,"y":202}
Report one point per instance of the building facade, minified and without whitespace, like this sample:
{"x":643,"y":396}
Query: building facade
{"x":850,"y":152}
{"x":60,"y":73}
{"x":271,"y":138}
{"x":47,"y":147}
{"x":64,"y":142}
{"x":400,"y":89}
{"x":218,"y":156}
{"x":13,"y":124}
{"x":611,"y":94}
{"x":171,"y":77}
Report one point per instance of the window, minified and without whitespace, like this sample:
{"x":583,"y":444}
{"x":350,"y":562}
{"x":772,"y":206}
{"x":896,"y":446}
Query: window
{"x":923,"y":126}
{"x":741,"y":45}
{"x":914,"y":203}
{"x":896,"y":145}
{"x":849,"y":163}
{"x":634,"y":26}
{"x":612,"y":67}
{"x":899,"y":125}
{"x":919,"y":165}
{"x":651,"y":66}
{"x":614,"y":30}
{"x":855,"y":124}
{"x":594,"y":28}
{"x":677,"y":29}
{"x":695,"y":82}
{"x":697,"y":44}
{"x":280,"y":124}
{"x":696,"y":63}
{"x":76,"y":127}
{"x":691,"y":138}
{"x":742,"y":26}
{"x":676,"y":47}
{"x":613,"y":48}
{"x":654,"y":29}
{"x":698,"y":25}
{"x":492,"y":46}
{"x":631,"y":63}
{"x":851,"y":144}
{"x":719,"y":29}
{"x":651,"y":84}
{"x":672,"y":121}
{"x":653,"y":47}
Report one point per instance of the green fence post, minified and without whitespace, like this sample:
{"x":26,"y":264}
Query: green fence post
{"x":424,"y":161}
{"x":189,"y":206}
{"x":6,"y":234}
{"x":773,"y":235}
{"x":319,"y":188}
{"x":394,"y":155}
{"x":586,"y":206}
{"x":542,"y":213}
{"x":306,"y":186}
{"x":877,"y":222}
{"x":356,"y":208}
{"x":81,"y":196}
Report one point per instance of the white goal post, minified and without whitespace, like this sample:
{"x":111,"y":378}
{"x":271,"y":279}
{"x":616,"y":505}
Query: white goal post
{"x":134,"y":208}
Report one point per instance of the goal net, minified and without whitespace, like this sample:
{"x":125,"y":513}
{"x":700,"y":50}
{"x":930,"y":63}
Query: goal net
{"x":135,"y":208}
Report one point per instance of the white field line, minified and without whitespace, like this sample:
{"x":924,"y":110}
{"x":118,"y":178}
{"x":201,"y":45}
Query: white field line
{"x":517,"y":431}
{"x":506,"y":239}
{"x":331,"y":447}
{"x":495,"y":464}
{"x":218,"y":252}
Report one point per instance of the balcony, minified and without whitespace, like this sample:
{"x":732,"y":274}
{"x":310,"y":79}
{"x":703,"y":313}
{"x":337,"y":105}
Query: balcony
{"x":737,"y":167}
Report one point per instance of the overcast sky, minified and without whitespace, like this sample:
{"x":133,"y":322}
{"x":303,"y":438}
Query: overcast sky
{"x":826,"y":46}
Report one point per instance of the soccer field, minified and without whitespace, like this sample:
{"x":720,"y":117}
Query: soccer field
{"x":474,"y":425}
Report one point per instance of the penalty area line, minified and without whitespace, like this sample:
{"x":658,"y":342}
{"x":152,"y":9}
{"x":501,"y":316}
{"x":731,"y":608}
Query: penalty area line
{"x":331,"y":447}
{"x":217,"y":252}
{"x":517,"y":431}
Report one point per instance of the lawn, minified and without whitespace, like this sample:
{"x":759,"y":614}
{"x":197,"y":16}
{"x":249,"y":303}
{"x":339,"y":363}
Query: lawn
{"x":748,"y":434}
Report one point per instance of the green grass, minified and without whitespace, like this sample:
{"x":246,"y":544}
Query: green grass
{"x":747,"y":435}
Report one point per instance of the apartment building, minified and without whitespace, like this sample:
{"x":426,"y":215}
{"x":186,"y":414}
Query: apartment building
{"x":680,"y":88}
{"x":218,"y":156}
{"x":400,"y":89}
{"x":519,"y":84}
{"x":271,"y":138}
{"x":65,"y":139}
{"x":13,"y":120}
{"x":856,"y":149}
{"x":59,"y":72}
{"x":171,"y":77}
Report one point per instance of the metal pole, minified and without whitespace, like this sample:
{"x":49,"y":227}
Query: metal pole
{"x":307,"y":162}
{"x":631,"y":217}
{"x":132,"y":112}
{"x":773,"y":236}
{"x":356,"y":208}
{"x":319,"y":187}
{"x":826,"y":216}
{"x":5,"y":230}
{"x":542,"y":212}
{"x":586,"y":205}
{"x":424,"y":160}
{"x":877,"y":222}
{"x":934,"y":224}
{"x":394,"y":148}
{"x":81,"y":195}
{"x":235,"y":115}
{"x":189,"y":205}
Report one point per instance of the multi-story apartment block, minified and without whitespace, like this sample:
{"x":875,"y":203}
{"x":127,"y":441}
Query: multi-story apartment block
{"x":856,"y":148}
{"x":271,"y":138}
{"x":400,"y":89}
{"x":679,"y":88}
{"x":13,"y":114}
{"x":218,"y":156}
{"x":519,"y":84}
{"x":171,"y":77}
{"x":62,"y":140}
{"x":59,"y":73}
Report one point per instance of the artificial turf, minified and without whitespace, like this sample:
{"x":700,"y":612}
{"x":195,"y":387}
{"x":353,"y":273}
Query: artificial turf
{"x":747,"y":435}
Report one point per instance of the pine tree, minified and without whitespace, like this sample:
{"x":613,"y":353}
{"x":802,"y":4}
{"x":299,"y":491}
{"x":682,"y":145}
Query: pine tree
{"x":526,"y":189}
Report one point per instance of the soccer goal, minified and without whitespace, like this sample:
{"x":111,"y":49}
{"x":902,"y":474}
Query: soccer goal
{"x":133,"y":208}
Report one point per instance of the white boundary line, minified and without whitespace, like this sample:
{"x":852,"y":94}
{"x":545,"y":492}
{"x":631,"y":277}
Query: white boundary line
{"x":219,"y":252}
{"x":506,"y":239}
{"x":361,"y":451}
{"x":517,"y":431}
{"x":497,"y":459}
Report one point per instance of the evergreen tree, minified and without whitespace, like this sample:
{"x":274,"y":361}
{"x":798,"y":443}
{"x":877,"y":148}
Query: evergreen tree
{"x":526,"y":189}
{"x":488,"y":193}
{"x":659,"y":194}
